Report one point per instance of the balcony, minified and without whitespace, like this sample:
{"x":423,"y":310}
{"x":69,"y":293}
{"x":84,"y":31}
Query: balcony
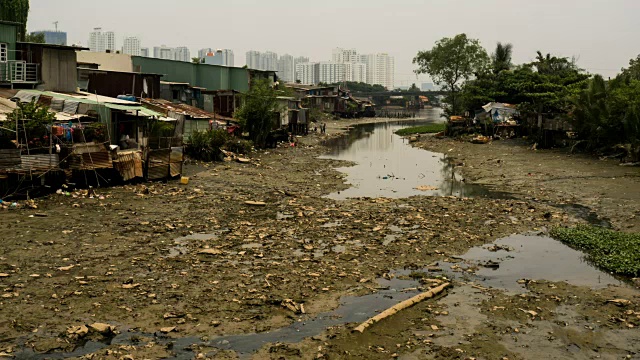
{"x":19,"y":72}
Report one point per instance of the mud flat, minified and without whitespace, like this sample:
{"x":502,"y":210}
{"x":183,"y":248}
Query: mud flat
{"x":202,"y":271}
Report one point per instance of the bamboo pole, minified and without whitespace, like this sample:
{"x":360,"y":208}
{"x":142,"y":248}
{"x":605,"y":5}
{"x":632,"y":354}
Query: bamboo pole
{"x":401,"y":306}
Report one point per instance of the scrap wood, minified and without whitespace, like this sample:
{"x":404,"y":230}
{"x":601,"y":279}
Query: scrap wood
{"x":401,"y":306}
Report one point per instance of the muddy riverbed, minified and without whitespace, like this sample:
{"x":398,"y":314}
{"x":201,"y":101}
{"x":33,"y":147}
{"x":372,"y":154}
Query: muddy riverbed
{"x":195,"y":272}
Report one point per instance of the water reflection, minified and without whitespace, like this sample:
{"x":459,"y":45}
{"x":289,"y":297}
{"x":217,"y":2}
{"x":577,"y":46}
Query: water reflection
{"x":388,"y":166}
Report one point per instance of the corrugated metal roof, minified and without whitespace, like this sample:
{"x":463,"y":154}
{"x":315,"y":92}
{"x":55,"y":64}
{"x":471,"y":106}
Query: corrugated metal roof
{"x":183,"y":109}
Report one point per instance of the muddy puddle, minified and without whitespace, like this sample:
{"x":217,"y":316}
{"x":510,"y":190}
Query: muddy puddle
{"x":504,"y":263}
{"x":388,"y":166}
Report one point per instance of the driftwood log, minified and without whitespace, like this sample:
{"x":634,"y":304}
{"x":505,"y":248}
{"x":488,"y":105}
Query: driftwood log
{"x":401,"y":306}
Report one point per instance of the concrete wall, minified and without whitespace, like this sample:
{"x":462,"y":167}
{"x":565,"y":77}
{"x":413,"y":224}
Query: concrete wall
{"x":107,"y":61}
{"x":59,"y":70}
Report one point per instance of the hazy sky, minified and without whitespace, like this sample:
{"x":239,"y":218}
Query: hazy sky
{"x":602,"y":34}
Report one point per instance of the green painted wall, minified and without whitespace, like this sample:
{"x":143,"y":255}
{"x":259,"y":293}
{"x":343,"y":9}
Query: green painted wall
{"x":174,"y":71}
{"x":9,"y":35}
{"x":211,"y":77}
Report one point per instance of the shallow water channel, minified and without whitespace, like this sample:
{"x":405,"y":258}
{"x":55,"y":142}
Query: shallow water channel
{"x":386,"y":165}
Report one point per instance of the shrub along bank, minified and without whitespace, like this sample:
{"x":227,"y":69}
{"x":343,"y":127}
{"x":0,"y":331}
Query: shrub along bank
{"x":614,"y":251}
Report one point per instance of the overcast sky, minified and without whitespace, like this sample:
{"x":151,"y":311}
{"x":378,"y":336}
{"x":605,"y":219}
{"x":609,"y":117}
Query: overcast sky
{"x":602,"y":34}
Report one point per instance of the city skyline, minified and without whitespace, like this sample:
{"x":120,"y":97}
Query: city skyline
{"x":562,"y":33}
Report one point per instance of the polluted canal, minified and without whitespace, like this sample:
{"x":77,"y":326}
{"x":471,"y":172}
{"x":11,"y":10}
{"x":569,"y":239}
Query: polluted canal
{"x":386,"y":165}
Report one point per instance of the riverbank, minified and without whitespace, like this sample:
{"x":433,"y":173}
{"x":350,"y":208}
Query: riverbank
{"x":173,"y":268}
{"x":553,"y":176}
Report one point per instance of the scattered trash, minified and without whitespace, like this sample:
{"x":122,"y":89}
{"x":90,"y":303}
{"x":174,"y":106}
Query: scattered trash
{"x":255,"y":203}
{"x":184,"y":180}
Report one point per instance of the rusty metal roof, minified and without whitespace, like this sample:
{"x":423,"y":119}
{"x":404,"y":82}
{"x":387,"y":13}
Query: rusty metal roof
{"x":184,"y":109}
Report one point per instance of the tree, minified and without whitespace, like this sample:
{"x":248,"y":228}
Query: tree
{"x":501,"y":58}
{"x":16,"y":11}
{"x":34,"y":119}
{"x":413,"y":88}
{"x":197,"y":60}
{"x":37,"y":38}
{"x":257,"y":112}
{"x":450,"y":62}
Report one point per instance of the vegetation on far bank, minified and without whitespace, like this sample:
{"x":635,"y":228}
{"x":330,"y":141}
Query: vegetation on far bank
{"x":603,"y":113}
{"x":422,"y":129}
{"x":613,"y":251}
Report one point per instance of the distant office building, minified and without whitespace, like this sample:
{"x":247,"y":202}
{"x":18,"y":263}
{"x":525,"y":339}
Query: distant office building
{"x":164,"y":52}
{"x":286,"y":68}
{"x":131,"y":46}
{"x":102,"y":41}
{"x":427,"y":87}
{"x":330,"y":72}
{"x":297,"y":62}
{"x":374,"y":69}
{"x":203,"y":53}
{"x":355,"y":72}
{"x":169,"y":53}
{"x":144,"y":52}
{"x":53,"y":37}
{"x":182,"y":54}
{"x":222,"y":57}
{"x":309,"y":73}
{"x":262,"y":61}
{"x":341,"y":55}
{"x":269,"y":61}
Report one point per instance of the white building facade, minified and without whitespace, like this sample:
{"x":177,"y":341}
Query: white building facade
{"x":286,"y":68}
{"x":131,"y":46}
{"x":222,"y":57}
{"x":330,"y":72}
{"x":309,"y":73}
{"x":102,"y":41}
{"x":373,"y":69}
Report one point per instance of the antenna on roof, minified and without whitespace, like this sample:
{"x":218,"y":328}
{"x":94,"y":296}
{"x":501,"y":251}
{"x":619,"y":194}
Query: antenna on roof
{"x":56,"y":24}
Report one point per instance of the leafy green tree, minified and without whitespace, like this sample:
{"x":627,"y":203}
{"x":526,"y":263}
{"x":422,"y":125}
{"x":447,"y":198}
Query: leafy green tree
{"x":450,"y":62}
{"x":501,"y":58}
{"x":633,"y":71}
{"x":37,"y":38}
{"x":33,"y":117}
{"x":257,"y":112}
{"x":16,"y":11}
{"x":197,"y":60}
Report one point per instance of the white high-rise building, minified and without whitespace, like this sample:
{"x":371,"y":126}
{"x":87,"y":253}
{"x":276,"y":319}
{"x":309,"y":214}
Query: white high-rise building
{"x":286,"y":68}
{"x":182,"y":53}
{"x":203,"y":53}
{"x":102,"y":41}
{"x":341,"y":55}
{"x":355,"y":72}
{"x":253,"y":59}
{"x":169,"y":53}
{"x":330,"y":72}
{"x":144,"y":52}
{"x":223,"y":57}
{"x":309,"y":73}
{"x":269,"y":61}
{"x":164,"y":52}
{"x":262,"y":61}
{"x":373,"y":69}
{"x":297,"y":62}
{"x":131,"y":46}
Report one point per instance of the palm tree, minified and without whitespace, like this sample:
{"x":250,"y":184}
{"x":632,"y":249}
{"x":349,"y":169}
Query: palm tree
{"x":501,"y":58}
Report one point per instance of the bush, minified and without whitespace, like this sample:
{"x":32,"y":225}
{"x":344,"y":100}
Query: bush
{"x":206,"y":145}
{"x":610,"y":250}
{"x":239,"y":146}
{"x":424,"y":129}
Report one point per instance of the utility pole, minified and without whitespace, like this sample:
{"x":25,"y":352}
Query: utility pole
{"x":56,"y":24}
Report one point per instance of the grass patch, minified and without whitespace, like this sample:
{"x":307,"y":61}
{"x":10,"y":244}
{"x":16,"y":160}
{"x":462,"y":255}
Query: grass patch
{"x":614,"y":251}
{"x":422,"y":129}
